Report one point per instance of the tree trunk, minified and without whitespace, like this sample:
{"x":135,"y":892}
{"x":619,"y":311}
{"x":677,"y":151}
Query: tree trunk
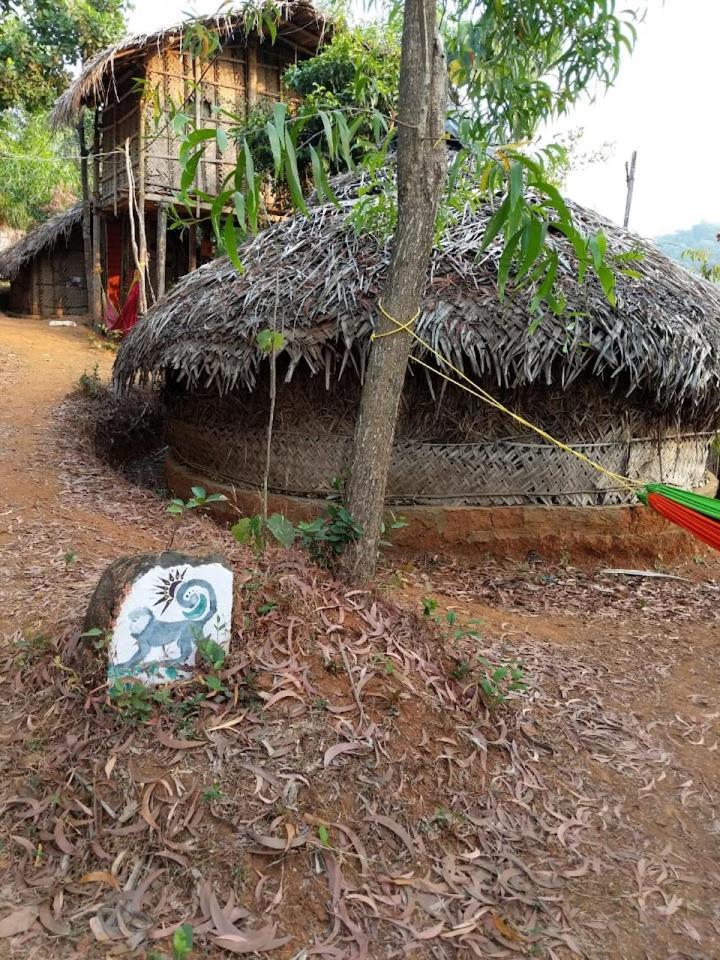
{"x":421,"y":172}
{"x":87,"y":213}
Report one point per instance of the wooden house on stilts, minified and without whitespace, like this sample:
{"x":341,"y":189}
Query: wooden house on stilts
{"x":133,"y":90}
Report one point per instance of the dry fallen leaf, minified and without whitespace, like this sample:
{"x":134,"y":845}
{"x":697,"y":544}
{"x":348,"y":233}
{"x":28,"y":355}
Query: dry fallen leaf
{"x":19,"y":921}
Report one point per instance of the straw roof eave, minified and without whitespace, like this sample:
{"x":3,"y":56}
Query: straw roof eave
{"x":43,"y":237}
{"x":661,"y":342}
{"x":301,"y":24}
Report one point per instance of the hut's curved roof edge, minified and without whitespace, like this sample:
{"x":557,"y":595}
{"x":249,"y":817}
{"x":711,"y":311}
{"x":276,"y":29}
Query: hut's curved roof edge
{"x":322,"y":280}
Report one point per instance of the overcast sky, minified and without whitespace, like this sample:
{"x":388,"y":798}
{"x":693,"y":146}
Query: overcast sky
{"x":663,"y":106}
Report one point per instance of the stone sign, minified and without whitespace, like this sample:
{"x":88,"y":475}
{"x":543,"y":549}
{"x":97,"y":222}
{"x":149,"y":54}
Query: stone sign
{"x":157,"y":609}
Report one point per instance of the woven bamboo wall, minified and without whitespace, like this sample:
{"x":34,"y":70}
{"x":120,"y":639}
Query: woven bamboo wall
{"x":465,"y":456}
{"x":53,"y":283}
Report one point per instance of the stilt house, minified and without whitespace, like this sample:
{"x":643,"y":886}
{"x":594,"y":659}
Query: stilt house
{"x":132,"y":89}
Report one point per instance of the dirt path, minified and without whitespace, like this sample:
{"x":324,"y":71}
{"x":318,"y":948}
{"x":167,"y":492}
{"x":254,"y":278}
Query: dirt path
{"x":600,"y":792}
{"x":44,"y":529}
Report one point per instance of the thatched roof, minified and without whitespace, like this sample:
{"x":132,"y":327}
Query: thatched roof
{"x":661,"y":342}
{"x":300,"y":24}
{"x":43,"y":237}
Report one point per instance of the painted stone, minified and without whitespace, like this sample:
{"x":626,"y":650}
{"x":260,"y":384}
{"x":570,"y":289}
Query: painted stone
{"x":158,"y":608}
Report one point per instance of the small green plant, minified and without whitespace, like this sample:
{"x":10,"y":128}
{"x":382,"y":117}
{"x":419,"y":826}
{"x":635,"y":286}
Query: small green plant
{"x":252,"y":531}
{"x":211,"y":652}
{"x":499,"y":681}
{"x":99,"y":638}
{"x":182,"y":942}
{"x":461,"y":669}
{"x":212,"y":793}
{"x":326,"y":538}
{"x":133,"y":700}
{"x":70,"y":557}
{"x":429,"y":606}
{"x":91,"y":384}
{"x":324,"y":835}
{"x":200,"y":499}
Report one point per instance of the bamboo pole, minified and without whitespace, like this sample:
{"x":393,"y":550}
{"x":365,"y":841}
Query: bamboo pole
{"x":630,"y":183}
{"x":142,"y":237}
{"x":95,"y":295}
{"x":161,"y":249}
{"x":87,"y":210}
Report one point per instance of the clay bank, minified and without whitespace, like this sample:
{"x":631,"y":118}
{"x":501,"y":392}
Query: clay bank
{"x":634,"y":386}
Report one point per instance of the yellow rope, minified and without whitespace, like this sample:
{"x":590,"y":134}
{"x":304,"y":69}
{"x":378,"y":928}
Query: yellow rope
{"x":399,"y":326}
{"x":477,"y":391}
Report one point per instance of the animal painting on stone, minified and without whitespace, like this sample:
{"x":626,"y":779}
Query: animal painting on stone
{"x":166,"y":615}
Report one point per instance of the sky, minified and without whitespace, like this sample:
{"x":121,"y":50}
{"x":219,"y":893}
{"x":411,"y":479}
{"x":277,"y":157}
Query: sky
{"x":661,"y":106}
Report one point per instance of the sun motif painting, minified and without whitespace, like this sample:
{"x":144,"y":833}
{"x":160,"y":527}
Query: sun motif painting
{"x":167,"y":614}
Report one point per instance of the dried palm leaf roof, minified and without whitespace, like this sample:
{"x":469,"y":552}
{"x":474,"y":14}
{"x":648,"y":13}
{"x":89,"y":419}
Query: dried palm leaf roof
{"x":661,"y":341}
{"x":300,"y":23}
{"x":43,"y":237}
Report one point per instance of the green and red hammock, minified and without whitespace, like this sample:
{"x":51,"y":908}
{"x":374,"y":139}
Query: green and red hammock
{"x":697,"y":514}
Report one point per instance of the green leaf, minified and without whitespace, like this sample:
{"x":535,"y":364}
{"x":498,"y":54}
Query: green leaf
{"x":270,"y":342}
{"x":242,"y":530}
{"x":221,"y":139}
{"x":495,"y":224}
{"x":198,"y":492}
{"x":276,"y":147}
{"x":211,"y":651}
{"x":292,"y":175}
{"x":213,"y":683}
{"x":536,"y":232}
{"x":95,"y":632}
{"x":230,"y":244}
{"x":320,"y":178}
{"x":281,"y":528}
{"x":182,"y":942}
{"x":324,"y":835}
{"x":329,"y":136}
{"x":239,"y":201}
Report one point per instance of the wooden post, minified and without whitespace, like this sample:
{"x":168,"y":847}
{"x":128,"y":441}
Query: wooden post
{"x":252,"y":58}
{"x":34,"y":289}
{"x":95,"y":295}
{"x":87,"y":210}
{"x":630,"y":183}
{"x":192,"y":248}
{"x":142,"y":237}
{"x":161,"y":249}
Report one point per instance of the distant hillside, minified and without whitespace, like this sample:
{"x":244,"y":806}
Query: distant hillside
{"x":700,"y":237}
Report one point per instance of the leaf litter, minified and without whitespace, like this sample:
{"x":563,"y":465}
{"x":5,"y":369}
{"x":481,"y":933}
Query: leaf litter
{"x":327,"y":805}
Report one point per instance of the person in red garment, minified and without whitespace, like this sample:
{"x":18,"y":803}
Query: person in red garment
{"x":126,"y":319}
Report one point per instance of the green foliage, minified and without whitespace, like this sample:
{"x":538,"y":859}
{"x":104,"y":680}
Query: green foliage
{"x":702,"y":261}
{"x":512,"y":66}
{"x":134,"y":701}
{"x":498,"y":681}
{"x":252,"y":530}
{"x":182,"y":942}
{"x":211,"y":652}
{"x":212,"y":793}
{"x":42,"y":40}
{"x":99,"y":638}
{"x":326,"y":538}
{"x":199,"y":500}
{"x":270,"y":342}
{"x":91,"y":384}
{"x":696,"y":248}
{"x":39,"y":173}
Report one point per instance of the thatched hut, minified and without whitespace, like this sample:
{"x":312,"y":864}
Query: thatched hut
{"x":636,"y":386}
{"x":135,"y":87}
{"x":46,"y":268}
